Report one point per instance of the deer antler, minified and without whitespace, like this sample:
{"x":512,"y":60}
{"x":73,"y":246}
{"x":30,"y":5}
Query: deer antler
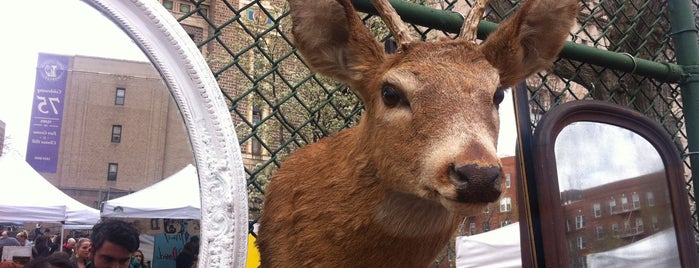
{"x":469,"y":30}
{"x":393,"y":21}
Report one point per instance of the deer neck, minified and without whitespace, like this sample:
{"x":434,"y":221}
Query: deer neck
{"x":410,"y":216}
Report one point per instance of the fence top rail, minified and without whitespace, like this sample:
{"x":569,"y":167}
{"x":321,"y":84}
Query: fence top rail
{"x":450,"y":21}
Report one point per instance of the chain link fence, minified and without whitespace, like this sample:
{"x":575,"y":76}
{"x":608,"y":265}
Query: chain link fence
{"x":278,"y":105}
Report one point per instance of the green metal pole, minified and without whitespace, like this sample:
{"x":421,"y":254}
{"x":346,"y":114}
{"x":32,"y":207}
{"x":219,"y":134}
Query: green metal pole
{"x":664,"y":72}
{"x":684,"y":35}
{"x":451,"y":22}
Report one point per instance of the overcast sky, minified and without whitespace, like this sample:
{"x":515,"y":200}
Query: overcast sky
{"x":590,"y":154}
{"x":68,"y":27}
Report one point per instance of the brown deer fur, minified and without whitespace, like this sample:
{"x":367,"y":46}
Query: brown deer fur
{"x":390,"y":191}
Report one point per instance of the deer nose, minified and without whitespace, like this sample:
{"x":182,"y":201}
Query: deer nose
{"x":473,"y":176}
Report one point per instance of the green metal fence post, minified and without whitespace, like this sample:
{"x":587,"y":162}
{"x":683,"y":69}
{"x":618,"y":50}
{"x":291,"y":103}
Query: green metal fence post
{"x":684,"y":36}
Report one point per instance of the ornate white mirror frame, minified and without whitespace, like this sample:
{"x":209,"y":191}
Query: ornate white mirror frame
{"x":224,"y":219}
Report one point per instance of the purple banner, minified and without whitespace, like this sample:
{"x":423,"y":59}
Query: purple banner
{"x":47,"y":112}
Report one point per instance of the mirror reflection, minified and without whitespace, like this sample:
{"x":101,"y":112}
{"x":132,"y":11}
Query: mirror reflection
{"x":104,"y":127}
{"x":614,"y":197}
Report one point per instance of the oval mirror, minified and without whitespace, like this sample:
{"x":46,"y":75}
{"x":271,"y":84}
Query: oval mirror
{"x":611,"y":190}
{"x":193,"y":92}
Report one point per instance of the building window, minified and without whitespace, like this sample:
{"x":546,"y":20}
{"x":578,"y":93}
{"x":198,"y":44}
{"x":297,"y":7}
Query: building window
{"x":612,"y":206}
{"x":568,"y":228}
{"x":651,"y":199}
{"x":615,"y":229}
{"x":597,"y":208}
{"x":120,"y":94}
{"x":505,"y":204}
{"x":599,"y":232}
{"x":486,"y":210}
{"x":639,"y":225}
{"x":579,"y":222}
{"x":116,"y":133}
{"x":168,"y":4}
{"x":505,"y":223}
{"x":112,"y":171}
{"x":508,"y":180}
{"x":581,"y":242}
{"x":486,"y":226}
{"x":185,"y":8}
{"x":256,"y":119}
{"x":624,"y":203}
{"x":654,"y":223}
{"x":472,"y":228}
{"x":580,"y":262}
{"x":627,"y":227}
{"x":636,"y":201}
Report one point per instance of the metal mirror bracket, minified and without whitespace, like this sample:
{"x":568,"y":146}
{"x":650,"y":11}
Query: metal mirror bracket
{"x":224,"y":221}
{"x":554,"y":241}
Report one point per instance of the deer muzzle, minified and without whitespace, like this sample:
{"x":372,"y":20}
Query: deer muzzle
{"x":475,"y":184}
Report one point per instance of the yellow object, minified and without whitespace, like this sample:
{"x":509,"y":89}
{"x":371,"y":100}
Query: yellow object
{"x":253,"y":260}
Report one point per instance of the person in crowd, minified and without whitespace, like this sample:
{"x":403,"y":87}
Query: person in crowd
{"x":6,"y":240}
{"x":55,"y":243}
{"x":41,"y":247}
{"x":138,"y":261}
{"x":50,"y":241}
{"x":69,"y":246}
{"x":189,"y":253}
{"x":22,"y":238}
{"x":113,"y":244}
{"x":37,"y":230}
{"x":82,"y":255}
{"x":56,"y":260}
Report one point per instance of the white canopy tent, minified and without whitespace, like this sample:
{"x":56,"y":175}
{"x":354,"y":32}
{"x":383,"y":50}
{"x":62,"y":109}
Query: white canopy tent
{"x":175,"y":197}
{"x":657,"y":250}
{"x":29,"y":197}
{"x":498,"y":248}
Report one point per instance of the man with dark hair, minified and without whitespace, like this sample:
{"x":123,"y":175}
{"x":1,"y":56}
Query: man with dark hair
{"x":113,"y":243}
{"x":53,"y":245}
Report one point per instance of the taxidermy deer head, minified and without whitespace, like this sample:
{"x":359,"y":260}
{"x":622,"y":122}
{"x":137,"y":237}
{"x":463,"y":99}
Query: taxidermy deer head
{"x":391,"y":191}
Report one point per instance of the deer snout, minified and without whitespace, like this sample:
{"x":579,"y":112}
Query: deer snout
{"x":475,"y":183}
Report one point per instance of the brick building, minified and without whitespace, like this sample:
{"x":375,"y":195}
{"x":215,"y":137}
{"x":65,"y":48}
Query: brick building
{"x":233,"y":46}
{"x":108,"y":149}
{"x":604,"y":217}
{"x":121,"y":130}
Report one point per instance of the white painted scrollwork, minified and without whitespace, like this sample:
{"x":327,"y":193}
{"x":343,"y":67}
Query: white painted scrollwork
{"x":224,"y":225}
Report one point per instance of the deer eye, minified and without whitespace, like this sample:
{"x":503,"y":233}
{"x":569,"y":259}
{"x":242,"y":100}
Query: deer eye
{"x":498,"y":96}
{"x":391,"y":96}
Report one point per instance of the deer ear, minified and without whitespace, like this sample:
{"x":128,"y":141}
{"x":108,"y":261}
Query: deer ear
{"x":531,"y":39}
{"x":333,"y":40}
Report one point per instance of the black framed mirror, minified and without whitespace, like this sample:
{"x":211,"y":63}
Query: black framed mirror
{"x":611,"y":190}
